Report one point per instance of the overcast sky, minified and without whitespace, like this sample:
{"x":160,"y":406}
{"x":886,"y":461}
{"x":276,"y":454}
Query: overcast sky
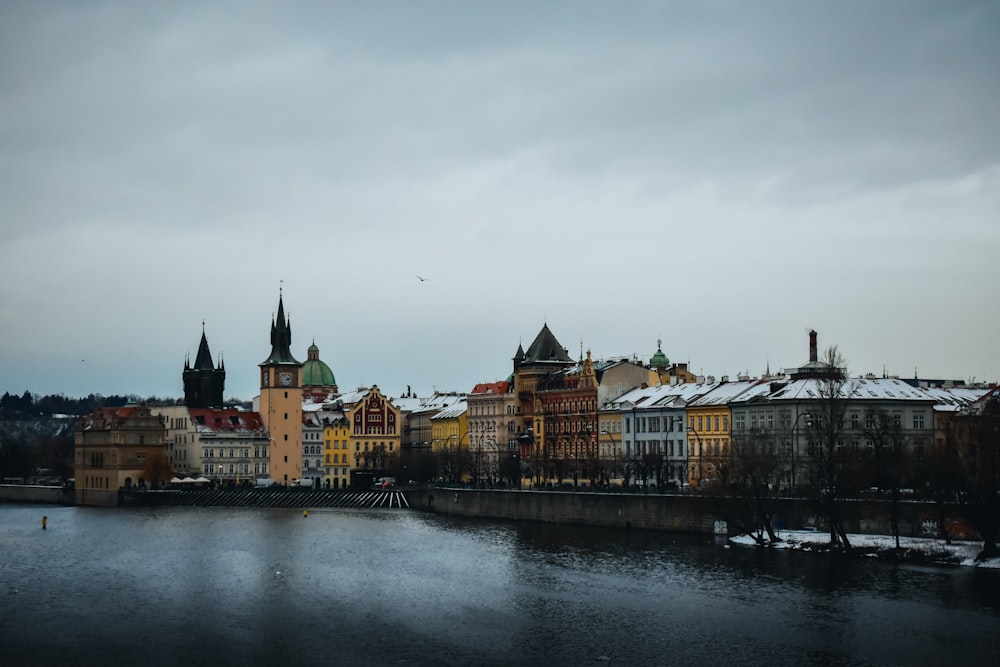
{"x":724,"y":176}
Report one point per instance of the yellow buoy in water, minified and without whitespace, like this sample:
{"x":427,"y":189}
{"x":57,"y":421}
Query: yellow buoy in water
{"x":45,"y":520}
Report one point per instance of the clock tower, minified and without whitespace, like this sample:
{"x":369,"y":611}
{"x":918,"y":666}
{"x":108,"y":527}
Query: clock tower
{"x":281,"y":402}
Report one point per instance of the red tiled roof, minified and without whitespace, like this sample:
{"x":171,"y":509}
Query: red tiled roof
{"x":491,"y":388}
{"x":226,"y":419}
{"x":110,"y":416}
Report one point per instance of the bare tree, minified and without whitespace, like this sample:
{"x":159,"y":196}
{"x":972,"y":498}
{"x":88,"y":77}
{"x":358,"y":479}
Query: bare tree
{"x":755,"y":470}
{"x":887,"y":463}
{"x":830,"y":462}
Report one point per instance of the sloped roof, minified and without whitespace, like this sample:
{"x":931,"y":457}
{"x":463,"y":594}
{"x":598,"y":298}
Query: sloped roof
{"x":546,"y":349}
{"x":226,"y":420}
{"x":453,"y":411}
{"x":662,"y":396}
{"x":723,"y":393}
{"x":204,"y":359}
{"x":501,"y":387}
{"x":109,"y":417}
{"x":856,"y":389}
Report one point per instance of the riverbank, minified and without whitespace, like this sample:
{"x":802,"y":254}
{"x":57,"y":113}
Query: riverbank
{"x":883,"y":547}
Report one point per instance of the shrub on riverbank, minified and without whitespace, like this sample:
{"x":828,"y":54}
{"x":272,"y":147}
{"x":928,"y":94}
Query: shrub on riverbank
{"x":911,"y":549}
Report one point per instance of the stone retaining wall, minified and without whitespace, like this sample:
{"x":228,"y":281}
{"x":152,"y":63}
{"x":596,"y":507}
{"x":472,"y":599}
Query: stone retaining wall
{"x":689,"y":513}
{"x":28,"y":493}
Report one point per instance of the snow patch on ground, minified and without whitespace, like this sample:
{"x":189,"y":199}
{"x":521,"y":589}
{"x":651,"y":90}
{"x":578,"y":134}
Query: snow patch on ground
{"x":920,"y":549}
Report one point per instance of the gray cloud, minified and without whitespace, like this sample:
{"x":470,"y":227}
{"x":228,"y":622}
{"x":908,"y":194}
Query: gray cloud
{"x":724,"y":175}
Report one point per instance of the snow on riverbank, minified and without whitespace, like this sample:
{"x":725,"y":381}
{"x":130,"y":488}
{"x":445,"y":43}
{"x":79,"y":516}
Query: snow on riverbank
{"x":882,"y":546}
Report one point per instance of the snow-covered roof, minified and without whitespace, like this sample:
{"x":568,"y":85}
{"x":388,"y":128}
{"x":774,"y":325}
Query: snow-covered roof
{"x":661,"y":396}
{"x":438,"y":402}
{"x":855,"y":389}
{"x":453,"y":411}
{"x":723,"y":393}
{"x":407,"y":403}
{"x":759,"y":390}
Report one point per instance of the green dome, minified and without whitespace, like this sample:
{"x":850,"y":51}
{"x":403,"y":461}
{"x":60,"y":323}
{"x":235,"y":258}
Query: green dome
{"x":315,"y":373}
{"x":659,"y":360}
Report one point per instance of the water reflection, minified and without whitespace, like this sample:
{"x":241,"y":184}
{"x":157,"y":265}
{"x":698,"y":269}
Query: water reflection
{"x":257,"y":586}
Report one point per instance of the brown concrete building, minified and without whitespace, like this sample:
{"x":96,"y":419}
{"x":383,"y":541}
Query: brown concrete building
{"x":116,"y":448}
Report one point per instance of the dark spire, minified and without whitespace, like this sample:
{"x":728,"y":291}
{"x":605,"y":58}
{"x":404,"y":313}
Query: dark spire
{"x":546,"y":349}
{"x":203,"y":360}
{"x":281,"y":339}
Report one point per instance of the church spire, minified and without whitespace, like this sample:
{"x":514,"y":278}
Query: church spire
{"x":281,"y":338}
{"x":203,"y":360}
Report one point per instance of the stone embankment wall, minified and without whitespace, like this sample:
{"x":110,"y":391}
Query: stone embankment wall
{"x":688,"y":513}
{"x":28,"y":493}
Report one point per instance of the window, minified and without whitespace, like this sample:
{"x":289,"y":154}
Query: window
{"x":854,"y":420}
{"x":918,"y":421}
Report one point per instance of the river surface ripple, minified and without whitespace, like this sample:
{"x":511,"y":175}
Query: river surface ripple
{"x":204,"y":586}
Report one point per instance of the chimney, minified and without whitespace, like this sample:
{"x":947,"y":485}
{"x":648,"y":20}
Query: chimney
{"x":812,"y":346}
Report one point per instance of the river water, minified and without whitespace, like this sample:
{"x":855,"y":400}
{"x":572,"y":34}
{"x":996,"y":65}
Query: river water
{"x":194,"y":586}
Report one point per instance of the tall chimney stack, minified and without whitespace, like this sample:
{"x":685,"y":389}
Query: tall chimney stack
{"x":813,"y":356}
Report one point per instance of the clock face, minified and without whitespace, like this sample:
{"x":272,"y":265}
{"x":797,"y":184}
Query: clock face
{"x":285,"y":379}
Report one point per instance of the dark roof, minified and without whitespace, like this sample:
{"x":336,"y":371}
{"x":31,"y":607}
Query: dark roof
{"x":546,"y":349}
{"x":281,"y":340}
{"x":204,"y":359}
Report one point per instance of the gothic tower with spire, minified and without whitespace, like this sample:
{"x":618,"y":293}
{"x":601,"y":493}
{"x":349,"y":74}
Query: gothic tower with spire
{"x":204,"y":383}
{"x":281,"y":401}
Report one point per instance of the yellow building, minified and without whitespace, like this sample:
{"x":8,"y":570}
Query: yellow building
{"x":610,"y":445}
{"x":281,"y":402}
{"x":709,"y":421}
{"x":336,"y":447}
{"x":450,"y":442}
{"x":117,"y":449}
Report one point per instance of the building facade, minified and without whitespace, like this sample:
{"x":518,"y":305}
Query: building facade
{"x":492,"y":408}
{"x":375,"y":432}
{"x":117,"y":449}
